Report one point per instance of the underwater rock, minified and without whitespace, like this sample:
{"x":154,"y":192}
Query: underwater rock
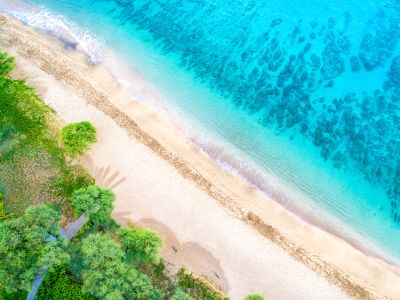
{"x":338,"y":160}
{"x":331,"y":23}
{"x":379,"y":43}
{"x":276,"y":22}
{"x":344,"y":44}
{"x":394,"y":73}
{"x":307,"y":47}
{"x":355,"y":64}
{"x":333,"y":63}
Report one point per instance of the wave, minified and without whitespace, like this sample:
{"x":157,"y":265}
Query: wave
{"x":57,"y":26}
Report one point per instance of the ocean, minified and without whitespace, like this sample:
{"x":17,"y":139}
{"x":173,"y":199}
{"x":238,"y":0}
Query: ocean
{"x":298,"y":97}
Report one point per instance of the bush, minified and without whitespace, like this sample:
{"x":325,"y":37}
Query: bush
{"x":78,"y":137}
{"x":196,"y":288}
{"x":254,"y":297}
{"x":141,"y":244}
{"x":21,"y":106}
{"x":180,"y":295}
{"x":72,"y":178}
{"x":3,"y":190}
{"x":4,"y":215}
{"x":6,"y":64}
{"x":59,"y":285}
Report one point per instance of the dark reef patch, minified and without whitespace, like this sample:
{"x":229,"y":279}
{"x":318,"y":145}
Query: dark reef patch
{"x":289,"y":75}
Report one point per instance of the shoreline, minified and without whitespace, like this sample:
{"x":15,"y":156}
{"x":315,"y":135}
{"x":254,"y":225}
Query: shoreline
{"x":150,"y":97}
{"x":313,"y":247}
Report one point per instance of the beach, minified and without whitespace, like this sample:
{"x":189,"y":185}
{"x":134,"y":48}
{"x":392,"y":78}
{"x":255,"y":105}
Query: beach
{"x":221,"y":227}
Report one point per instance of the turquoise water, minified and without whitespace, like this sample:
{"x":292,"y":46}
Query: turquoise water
{"x":284,"y":93}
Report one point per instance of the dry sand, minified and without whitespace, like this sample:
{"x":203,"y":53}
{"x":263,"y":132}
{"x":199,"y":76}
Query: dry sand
{"x":211,"y":221}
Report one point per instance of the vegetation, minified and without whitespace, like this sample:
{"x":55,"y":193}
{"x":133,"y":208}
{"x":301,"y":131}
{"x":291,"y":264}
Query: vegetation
{"x":33,"y":167}
{"x":94,"y":202}
{"x":39,"y":190}
{"x":78,"y":137}
{"x":60,"y":285}
{"x":106,"y":275}
{"x":197,"y":288}
{"x":140,"y":244}
{"x":180,"y":295}
{"x":254,"y":297}
{"x":27,"y":246}
{"x":6,"y":64}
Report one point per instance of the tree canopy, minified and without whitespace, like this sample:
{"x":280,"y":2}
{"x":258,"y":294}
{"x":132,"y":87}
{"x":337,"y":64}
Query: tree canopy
{"x":142,"y":244}
{"x":78,"y":137}
{"x":94,"y":202}
{"x":29,"y":244}
{"x":107,"y":276}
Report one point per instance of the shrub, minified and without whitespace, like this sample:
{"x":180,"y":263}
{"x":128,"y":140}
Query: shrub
{"x":4,"y":215}
{"x":180,"y":295}
{"x":3,"y":190}
{"x":72,"y":178}
{"x":78,"y":137}
{"x":6,"y":63}
{"x":254,"y":297}
{"x":21,"y":106}
{"x":140,"y":243}
{"x":196,"y":288}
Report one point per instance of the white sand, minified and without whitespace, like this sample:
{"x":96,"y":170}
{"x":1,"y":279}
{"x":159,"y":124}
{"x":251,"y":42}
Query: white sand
{"x":199,"y":209}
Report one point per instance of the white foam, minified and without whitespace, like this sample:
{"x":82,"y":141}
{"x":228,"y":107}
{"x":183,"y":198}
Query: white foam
{"x":56,"y":25}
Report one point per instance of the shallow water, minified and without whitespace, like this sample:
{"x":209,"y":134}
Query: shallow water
{"x":283,"y":93}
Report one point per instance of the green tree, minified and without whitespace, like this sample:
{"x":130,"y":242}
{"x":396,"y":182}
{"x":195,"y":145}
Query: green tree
{"x":29,"y":244}
{"x":107,"y":276}
{"x":60,"y":285}
{"x":6,"y":63}
{"x":78,"y":137}
{"x":254,"y":297}
{"x":140,"y":243}
{"x":94,"y":202}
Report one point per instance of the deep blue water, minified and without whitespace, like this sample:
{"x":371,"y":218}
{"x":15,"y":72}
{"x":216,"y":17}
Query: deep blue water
{"x":307,"y":91}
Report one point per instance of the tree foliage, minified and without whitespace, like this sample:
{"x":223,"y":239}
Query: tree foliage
{"x":107,"y":276}
{"x":6,"y":64}
{"x":143,"y":244}
{"x":94,"y":202}
{"x":60,"y":285}
{"x":29,"y":244}
{"x":78,"y":137}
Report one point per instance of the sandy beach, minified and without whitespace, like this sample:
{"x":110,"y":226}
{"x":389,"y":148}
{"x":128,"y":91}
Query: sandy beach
{"x":212,"y":222}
